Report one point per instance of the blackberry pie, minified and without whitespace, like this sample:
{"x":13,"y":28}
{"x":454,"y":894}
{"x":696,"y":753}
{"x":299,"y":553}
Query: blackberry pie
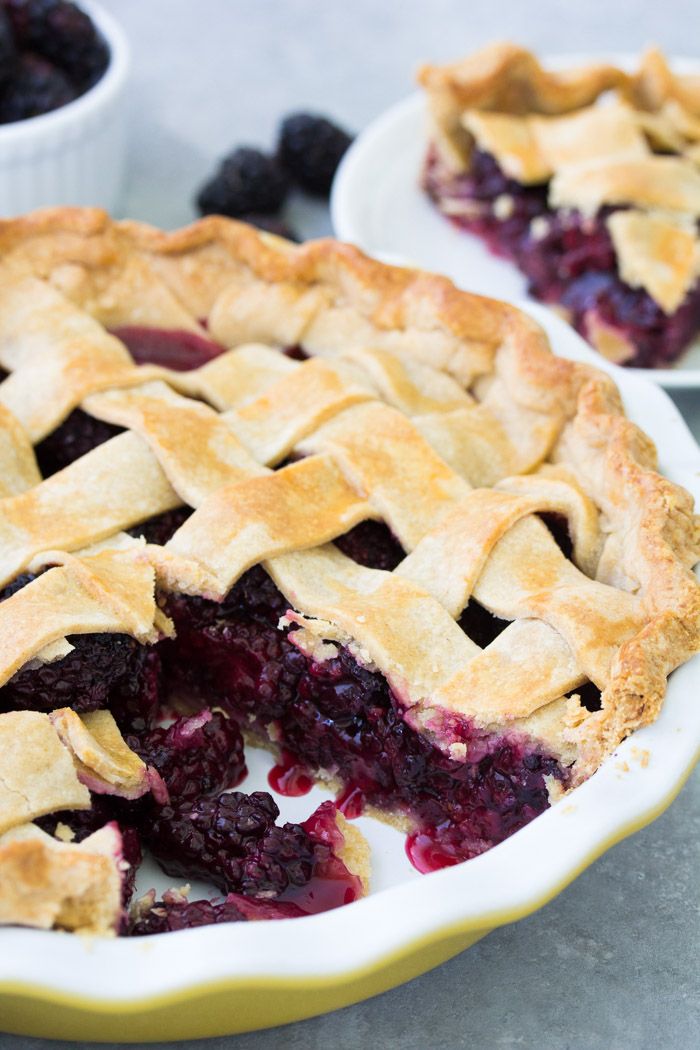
{"x":260,"y":494}
{"x":587,"y":179}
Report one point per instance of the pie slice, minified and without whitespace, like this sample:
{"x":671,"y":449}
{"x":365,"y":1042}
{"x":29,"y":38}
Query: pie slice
{"x":587,"y":180}
{"x":339,"y":509}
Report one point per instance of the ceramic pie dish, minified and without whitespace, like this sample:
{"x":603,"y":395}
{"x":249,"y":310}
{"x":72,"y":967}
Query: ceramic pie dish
{"x":472,"y":156}
{"x":343,"y":373}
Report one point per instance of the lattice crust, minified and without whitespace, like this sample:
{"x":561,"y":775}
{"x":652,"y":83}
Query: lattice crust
{"x":443,"y":414}
{"x":544,"y":126}
{"x":50,"y":760}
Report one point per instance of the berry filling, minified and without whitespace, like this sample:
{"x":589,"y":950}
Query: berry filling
{"x":175,"y":912}
{"x":338,"y":717}
{"x":373,"y":545}
{"x":232,"y":840}
{"x":289,"y":777}
{"x":102,"y":670}
{"x":77,"y":435}
{"x":179,"y":914}
{"x":567,"y":259}
{"x":179,"y":350}
{"x":196,"y":755}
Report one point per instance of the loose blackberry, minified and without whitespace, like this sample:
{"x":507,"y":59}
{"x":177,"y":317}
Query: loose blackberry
{"x":247,"y":182}
{"x":164,"y":916}
{"x":178,"y":914}
{"x":37,"y":86}
{"x":196,"y":756}
{"x":310,"y":148}
{"x":61,"y":32}
{"x":233,"y":841}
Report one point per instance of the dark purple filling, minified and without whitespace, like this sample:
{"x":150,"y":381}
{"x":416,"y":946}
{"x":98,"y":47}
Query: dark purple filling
{"x":196,"y":755}
{"x":232,"y":840}
{"x":103,"y":670}
{"x":559,"y":528}
{"x":173,"y":913}
{"x":572,"y":263}
{"x":78,"y":434}
{"x":167,"y":915}
{"x":339,"y":717}
{"x":372,"y":544}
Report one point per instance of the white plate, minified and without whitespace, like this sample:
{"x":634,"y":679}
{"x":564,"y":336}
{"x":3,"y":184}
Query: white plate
{"x":377,"y":204}
{"x":406,"y":913}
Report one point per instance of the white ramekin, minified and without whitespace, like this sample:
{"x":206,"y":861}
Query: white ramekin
{"x":75,"y":154}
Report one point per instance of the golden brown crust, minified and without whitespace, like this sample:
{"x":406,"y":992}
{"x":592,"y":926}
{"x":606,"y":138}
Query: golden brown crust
{"x":47,"y":883}
{"x":342,"y":305}
{"x":505,"y":78}
{"x":37,"y":774}
{"x":354,"y":852}
{"x":659,"y":253}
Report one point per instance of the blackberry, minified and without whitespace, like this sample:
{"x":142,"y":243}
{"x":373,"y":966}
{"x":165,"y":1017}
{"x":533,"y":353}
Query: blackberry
{"x":164,"y":916}
{"x":131,"y":853}
{"x":102,"y":670}
{"x":61,"y":32}
{"x":196,"y":756}
{"x":247,"y":182}
{"x":178,"y":914}
{"x":310,"y":148}
{"x":233,"y":841}
{"x":37,"y":86}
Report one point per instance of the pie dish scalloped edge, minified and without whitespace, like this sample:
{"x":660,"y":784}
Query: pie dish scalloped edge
{"x":203,"y":982}
{"x":390,"y":151}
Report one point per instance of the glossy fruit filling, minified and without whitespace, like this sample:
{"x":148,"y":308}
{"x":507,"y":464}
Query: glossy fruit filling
{"x":567,"y":259}
{"x":198,"y":828}
{"x":231,"y":839}
{"x":343,"y":720}
{"x":102,"y":670}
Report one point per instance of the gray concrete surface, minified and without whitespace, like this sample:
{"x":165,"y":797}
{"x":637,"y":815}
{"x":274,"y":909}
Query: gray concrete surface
{"x":612,"y":964}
